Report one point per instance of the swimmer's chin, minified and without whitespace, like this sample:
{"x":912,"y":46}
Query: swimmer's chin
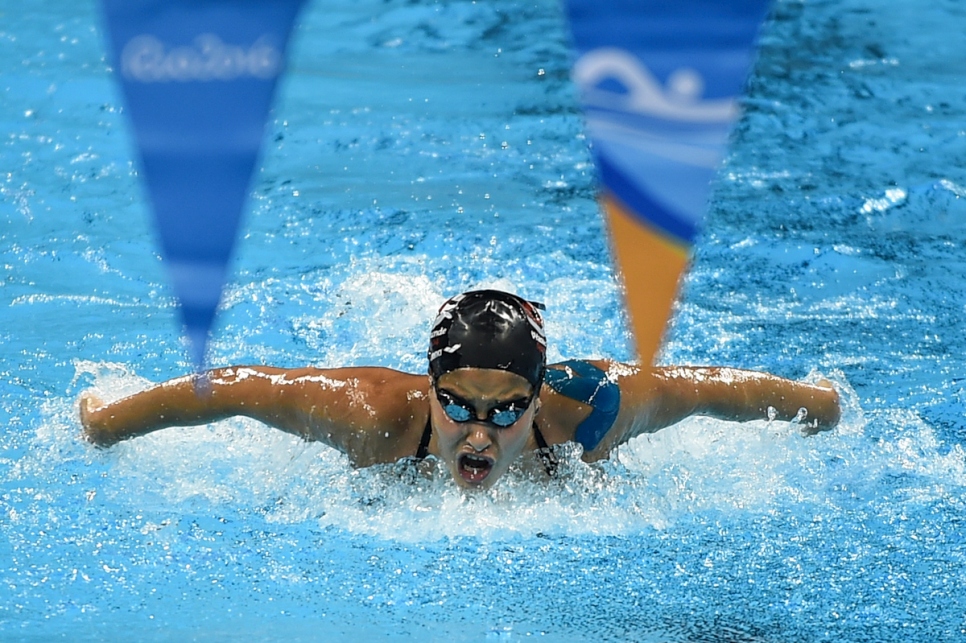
{"x":484,"y":485}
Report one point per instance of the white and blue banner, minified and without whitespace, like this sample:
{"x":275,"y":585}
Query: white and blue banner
{"x":659,"y":81}
{"x":198,"y":78}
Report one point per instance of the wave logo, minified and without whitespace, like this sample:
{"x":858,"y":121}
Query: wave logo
{"x":147,"y":59}
{"x":679,"y":100}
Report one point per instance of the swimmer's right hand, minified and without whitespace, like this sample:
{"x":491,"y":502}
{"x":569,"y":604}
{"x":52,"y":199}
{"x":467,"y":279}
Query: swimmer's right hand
{"x":94,"y":430}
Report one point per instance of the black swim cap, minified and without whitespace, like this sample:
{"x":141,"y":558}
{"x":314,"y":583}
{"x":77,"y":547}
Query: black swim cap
{"x":489,"y":329}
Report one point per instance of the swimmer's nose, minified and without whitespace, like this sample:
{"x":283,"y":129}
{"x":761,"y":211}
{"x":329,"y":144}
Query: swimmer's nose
{"x":478,"y":438}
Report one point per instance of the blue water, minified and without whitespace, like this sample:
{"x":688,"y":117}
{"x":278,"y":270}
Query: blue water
{"x":419,"y":149}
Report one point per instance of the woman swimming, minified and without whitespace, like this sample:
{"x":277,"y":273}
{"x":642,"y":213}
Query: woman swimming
{"x":489,"y":398}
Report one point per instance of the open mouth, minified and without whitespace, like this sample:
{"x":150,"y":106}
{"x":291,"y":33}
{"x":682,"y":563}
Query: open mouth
{"x":474,"y":468}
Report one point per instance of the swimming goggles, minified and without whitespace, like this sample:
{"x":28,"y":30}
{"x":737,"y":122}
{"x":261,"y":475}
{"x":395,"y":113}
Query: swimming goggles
{"x":501,"y":415}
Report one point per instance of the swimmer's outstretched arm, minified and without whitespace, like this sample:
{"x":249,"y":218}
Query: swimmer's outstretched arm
{"x":652,"y":400}
{"x":343,"y":408}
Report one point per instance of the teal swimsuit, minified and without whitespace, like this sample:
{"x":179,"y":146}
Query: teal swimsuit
{"x":585,"y":383}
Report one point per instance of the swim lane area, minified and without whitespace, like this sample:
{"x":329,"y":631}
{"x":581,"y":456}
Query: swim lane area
{"x":420,"y":149}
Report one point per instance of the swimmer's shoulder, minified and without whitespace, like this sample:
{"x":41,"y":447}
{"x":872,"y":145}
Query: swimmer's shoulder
{"x":581,"y":401}
{"x":372,"y":414}
{"x":596,"y":403}
{"x":391,"y":410}
{"x":367,"y":380}
{"x":405,"y":398}
{"x":393,"y":395}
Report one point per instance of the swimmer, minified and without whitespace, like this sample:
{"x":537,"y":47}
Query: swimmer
{"x":488,"y":400}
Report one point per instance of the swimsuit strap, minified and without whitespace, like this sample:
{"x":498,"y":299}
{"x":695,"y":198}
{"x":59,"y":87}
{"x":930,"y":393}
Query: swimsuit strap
{"x":550,"y":463}
{"x":423,"y":449}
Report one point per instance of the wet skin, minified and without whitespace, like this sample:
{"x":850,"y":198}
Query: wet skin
{"x":476,"y":452}
{"x":379,"y":415}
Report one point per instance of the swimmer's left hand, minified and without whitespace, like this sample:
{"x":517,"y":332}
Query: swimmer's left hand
{"x":89,"y":405}
{"x":826,"y":411}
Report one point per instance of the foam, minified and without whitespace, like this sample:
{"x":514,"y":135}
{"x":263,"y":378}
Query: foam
{"x":700,"y":465}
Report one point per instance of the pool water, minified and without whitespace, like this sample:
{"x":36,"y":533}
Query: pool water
{"x":419,"y":149}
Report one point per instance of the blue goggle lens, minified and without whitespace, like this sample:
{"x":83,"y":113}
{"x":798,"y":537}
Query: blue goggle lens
{"x":502,"y":416}
{"x":457,"y":413}
{"x":506,"y":417}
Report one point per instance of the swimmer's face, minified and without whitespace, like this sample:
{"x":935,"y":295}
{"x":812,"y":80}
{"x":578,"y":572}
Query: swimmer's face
{"x":478,"y":452}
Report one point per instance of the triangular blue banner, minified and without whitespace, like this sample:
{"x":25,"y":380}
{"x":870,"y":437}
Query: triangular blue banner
{"x":659,"y":81}
{"x":198,"y":77}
